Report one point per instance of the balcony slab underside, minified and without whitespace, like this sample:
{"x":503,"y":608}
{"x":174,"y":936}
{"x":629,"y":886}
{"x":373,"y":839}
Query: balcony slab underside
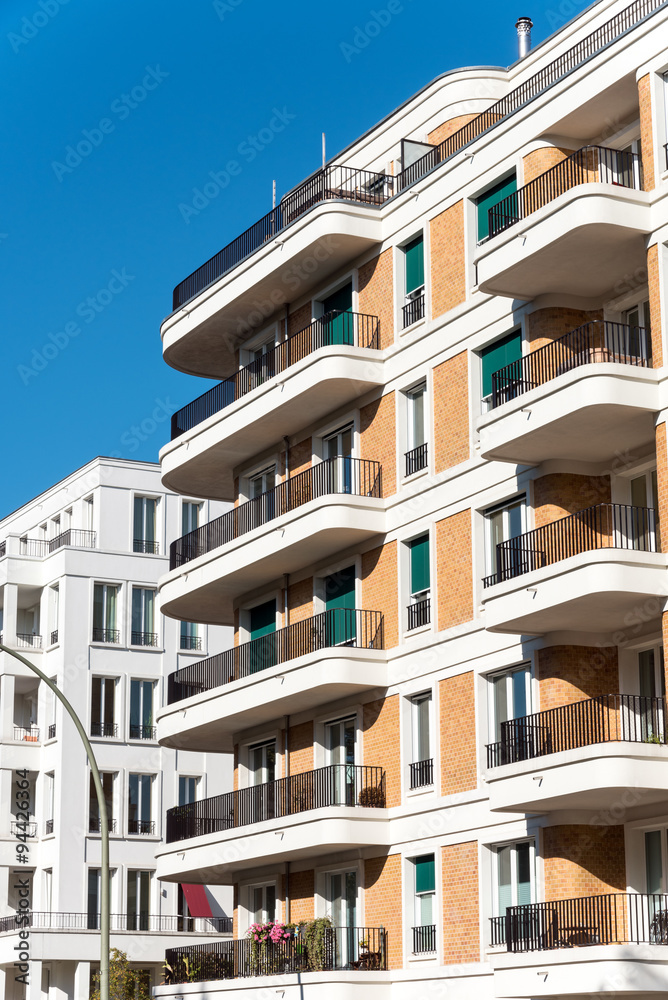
{"x":84,"y":945}
{"x":340,"y":984}
{"x":201,"y":461}
{"x":602,"y":591}
{"x":203,"y":336}
{"x":637,"y":970}
{"x":207,"y":722}
{"x":590,"y":777}
{"x":219,"y":858}
{"x":204,"y":590}
{"x":581,"y":243}
{"x":615,"y":402}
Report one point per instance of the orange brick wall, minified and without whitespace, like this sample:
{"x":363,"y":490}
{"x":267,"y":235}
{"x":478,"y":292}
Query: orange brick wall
{"x":449,"y":128}
{"x":236,"y":766}
{"x":451,"y":412}
{"x":376,"y":294}
{"x":455,"y":570}
{"x":662,"y":483}
{"x":540,"y":160}
{"x":380,"y":725}
{"x":655,"y":305}
{"x":583,"y":861}
{"x":300,"y":747}
{"x":378,"y":438}
{"x":300,"y":456}
{"x":448,"y":261}
{"x":547,"y":325}
{"x":457,"y":735}
{"x":646,"y":143}
{"x":300,"y":600}
{"x":567,"y":674}
{"x":299,"y":319}
{"x":563,"y":493}
{"x":382,"y":902}
{"x":235,"y":911}
{"x":301,"y":887}
{"x":461,"y":920}
{"x":379,"y":587}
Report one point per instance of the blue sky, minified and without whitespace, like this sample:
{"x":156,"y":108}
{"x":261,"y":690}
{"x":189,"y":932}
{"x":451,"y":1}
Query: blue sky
{"x":157,"y":95}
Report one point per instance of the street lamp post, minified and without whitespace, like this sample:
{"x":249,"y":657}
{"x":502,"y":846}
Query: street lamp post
{"x":104,"y":822}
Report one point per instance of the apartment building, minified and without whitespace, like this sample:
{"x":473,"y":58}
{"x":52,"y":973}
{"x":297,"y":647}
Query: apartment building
{"x":441,"y":420}
{"x":79,"y":567}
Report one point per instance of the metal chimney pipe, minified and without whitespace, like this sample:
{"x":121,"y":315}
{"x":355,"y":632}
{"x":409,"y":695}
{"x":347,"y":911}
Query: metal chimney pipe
{"x":523,"y":26}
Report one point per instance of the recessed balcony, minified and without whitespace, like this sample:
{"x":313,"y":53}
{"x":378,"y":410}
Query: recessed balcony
{"x":332,"y":655}
{"x":308,"y":518}
{"x":306,"y":815}
{"x":577,"y":229}
{"x":580,"y":756}
{"x":327,"y":365}
{"x":321,"y":225}
{"x":598,"y":376}
{"x":590,"y":570}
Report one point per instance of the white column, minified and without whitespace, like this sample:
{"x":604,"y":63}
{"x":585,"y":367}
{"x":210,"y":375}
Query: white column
{"x":4,"y":891}
{"x":34,"y":990}
{"x":10,"y":610}
{"x":6,"y":814}
{"x":7,"y":684}
{"x":81,"y":981}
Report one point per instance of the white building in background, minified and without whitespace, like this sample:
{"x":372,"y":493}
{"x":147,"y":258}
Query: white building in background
{"x":79,"y":566}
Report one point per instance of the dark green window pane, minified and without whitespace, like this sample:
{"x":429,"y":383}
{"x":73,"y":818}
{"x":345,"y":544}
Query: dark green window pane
{"x":492,"y":197}
{"x":497,"y":355}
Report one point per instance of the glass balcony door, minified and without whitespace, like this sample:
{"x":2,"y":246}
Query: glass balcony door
{"x":340,"y":745}
{"x":343,"y":908}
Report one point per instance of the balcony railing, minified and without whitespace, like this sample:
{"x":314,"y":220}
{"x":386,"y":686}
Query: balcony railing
{"x":422,"y":773}
{"x":73,"y":536}
{"x":424,"y":939}
{"x":52,"y":731}
{"x":593,"y":343}
{"x":28,"y":733}
{"x":352,"y":476}
{"x":419,"y":614}
{"x":336,"y":785}
{"x":3,"y":549}
{"x":142,"y":732}
{"x":143,"y":827}
{"x":413,"y":311}
{"x":603,"y":526}
{"x":144,"y":638}
{"x":336,"y":627}
{"x":18,"y":828}
{"x":95,"y":825}
{"x":104,"y":729}
{"x":26,"y":639}
{"x":243,"y":957}
{"x":614,"y":918}
{"x":54,"y":637}
{"x":416,"y":459}
{"x":106,"y":635}
{"x":166,"y":923}
{"x":589,"y":165}
{"x":146,"y":546}
{"x":191,"y":642}
{"x":48,"y":826}
{"x":330,"y":183}
{"x":336,"y":327}
{"x":609,"y":718}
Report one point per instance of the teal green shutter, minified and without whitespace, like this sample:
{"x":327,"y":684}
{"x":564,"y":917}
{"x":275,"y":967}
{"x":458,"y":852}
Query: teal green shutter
{"x":414,"y":264}
{"x":425,"y":873}
{"x":263,"y":619}
{"x":497,"y":355}
{"x":340,"y":329}
{"x":492,"y":197}
{"x":340,"y":605}
{"x":420,"y":564}
{"x":263,"y":625}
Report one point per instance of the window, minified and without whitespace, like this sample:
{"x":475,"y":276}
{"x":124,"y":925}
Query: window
{"x":260,"y":491}
{"x":143,"y":617}
{"x":89,"y":514}
{"x":491,"y":197}
{"x":413,"y":309}
{"x":338,"y":322}
{"x":422,"y":766}
{"x":337,"y":450}
{"x":340,"y":736}
{"x":262,"y":646}
{"x":105,"y":610}
{"x":189,"y":517}
{"x":514,"y":877}
{"x":513,"y":736}
{"x":55,"y":526}
{"x":505,"y":522}
{"x":102,"y":714}
{"x":187,"y":789}
{"x":416,"y":436}
{"x":67,"y":519}
{"x":48,"y":889}
{"x":141,"y":710}
{"x":49,"y":803}
{"x":93,"y":903}
{"x":638,"y":337}
{"x":649,"y":721}
{"x":139,"y":804}
{"x":144,"y":535}
{"x":419,"y":609}
{"x":139,"y":900}
{"x":189,"y":636}
{"x":94,"y":825}
{"x":642,"y":529}
{"x":424,"y":929}
{"x":54,"y":612}
{"x":495,"y":358}
{"x":262,"y":903}
{"x":341,"y":891}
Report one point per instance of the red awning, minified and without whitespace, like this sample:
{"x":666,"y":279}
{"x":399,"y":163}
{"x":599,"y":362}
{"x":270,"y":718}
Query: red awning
{"x":197,"y":900}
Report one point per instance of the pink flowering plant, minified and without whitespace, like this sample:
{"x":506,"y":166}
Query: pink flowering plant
{"x":274,"y":931}
{"x":264,"y":956}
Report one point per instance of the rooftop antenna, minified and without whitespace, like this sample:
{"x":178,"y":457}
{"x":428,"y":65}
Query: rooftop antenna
{"x":324,"y":157}
{"x":273,"y":194}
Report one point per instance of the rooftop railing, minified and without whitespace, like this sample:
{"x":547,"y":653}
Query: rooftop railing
{"x":593,"y":343}
{"x":352,"y":476}
{"x":335,"y":327}
{"x":166,"y":924}
{"x":40,"y":547}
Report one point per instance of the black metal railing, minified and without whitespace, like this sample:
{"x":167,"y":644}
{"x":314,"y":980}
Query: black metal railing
{"x":413,"y":311}
{"x":613,"y":918}
{"x":95,"y":824}
{"x":142,"y":732}
{"x":49,"y":826}
{"x":191,"y":642}
{"x":360,"y":948}
{"x":144,"y":638}
{"x":54,"y":637}
{"x":336,"y":627}
{"x":331,"y":182}
{"x":145,"y":827}
{"x":590,"y":164}
{"x":22,"y":829}
{"x":593,"y":343}
{"x":106,"y":635}
{"x":167,"y":923}
{"x":52,"y":731}
{"x":3,"y":549}
{"x":336,"y":327}
{"x":76,"y":537}
{"x":608,"y":718}
{"x":551,"y":74}
{"x":146,"y":546}
{"x":416,"y":459}
{"x":38,"y":547}
{"x":24,"y":639}
{"x":336,"y":785}
{"x":422,"y":773}
{"x":352,"y":476}
{"x":28,"y":733}
{"x":603,"y":526}
{"x":104,"y":729}
{"x":419,"y":614}
{"x":424,"y":939}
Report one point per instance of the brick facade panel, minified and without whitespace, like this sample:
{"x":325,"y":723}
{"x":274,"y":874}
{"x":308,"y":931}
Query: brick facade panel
{"x":383,"y":903}
{"x":654,"y":283}
{"x":451,"y":412}
{"x":461,"y":918}
{"x":379,"y":587}
{"x":378,"y":438}
{"x":449,"y":128}
{"x":380,"y":725}
{"x":583,"y":861}
{"x":548,"y":325}
{"x":457,"y":734}
{"x":563,"y":493}
{"x":567,"y":674}
{"x":300,"y":747}
{"x":646,"y":138}
{"x":376,"y":294}
{"x":454,"y":566}
{"x":448,"y":260}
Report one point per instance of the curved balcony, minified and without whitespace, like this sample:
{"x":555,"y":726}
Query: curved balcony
{"x":332,"y":655}
{"x":306,"y":815}
{"x":580,"y":756}
{"x":577,"y":229}
{"x":327,"y":221}
{"x":590,"y":570}
{"x":598,"y":376}
{"x":308,"y":518}
{"x":327,"y":365}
